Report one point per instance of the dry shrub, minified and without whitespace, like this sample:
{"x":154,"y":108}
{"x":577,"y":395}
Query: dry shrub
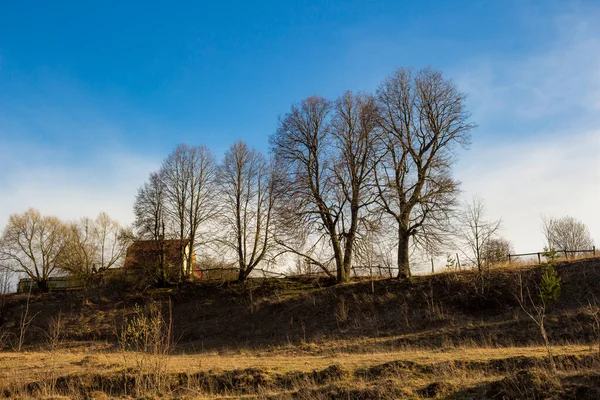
{"x":531,"y":384}
{"x":55,"y":332}
{"x":147,"y":338}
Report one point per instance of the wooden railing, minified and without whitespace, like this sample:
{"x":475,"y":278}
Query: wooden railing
{"x":540,"y":254}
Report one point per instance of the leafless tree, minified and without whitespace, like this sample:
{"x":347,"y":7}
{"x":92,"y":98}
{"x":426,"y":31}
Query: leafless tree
{"x":150,"y":219}
{"x":175,"y":175}
{"x":204,"y":200}
{"x":79,"y":254}
{"x":302,"y":147}
{"x":496,"y":250}
{"x":112,"y":240}
{"x":566,"y":233}
{"x":475,"y":232}
{"x":189,"y":178}
{"x":535,"y":306}
{"x":422,"y":118}
{"x":32,"y":243}
{"x":246,"y":179}
{"x":326,"y":151}
{"x":353,"y":129}
{"x":94,"y":246}
{"x":149,"y":209}
{"x":6,"y":276}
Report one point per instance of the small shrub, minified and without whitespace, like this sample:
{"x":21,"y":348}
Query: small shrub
{"x":531,"y":384}
{"x":550,"y":282}
{"x":146,"y":331}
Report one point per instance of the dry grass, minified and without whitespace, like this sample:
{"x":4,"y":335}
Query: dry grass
{"x":276,"y":375}
{"x":449,"y":335}
{"x":31,"y":365}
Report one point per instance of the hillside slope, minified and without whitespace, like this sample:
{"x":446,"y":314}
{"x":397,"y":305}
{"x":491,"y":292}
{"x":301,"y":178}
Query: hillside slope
{"x":445,"y":309}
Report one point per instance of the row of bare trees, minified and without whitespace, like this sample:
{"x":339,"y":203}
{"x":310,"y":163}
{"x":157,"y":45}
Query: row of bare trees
{"x":230,"y":205}
{"x":479,"y":241}
{"x":40,"y":246}
{"x":373,"y":163}
{"x":340,"y":173}
{"x":343,"y":177}
{"x":178,"y":199}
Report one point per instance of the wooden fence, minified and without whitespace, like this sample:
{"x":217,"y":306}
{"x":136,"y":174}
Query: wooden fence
{"x":540,"y":254}
{"x":230,"y":274}
{"x":374,"y":271}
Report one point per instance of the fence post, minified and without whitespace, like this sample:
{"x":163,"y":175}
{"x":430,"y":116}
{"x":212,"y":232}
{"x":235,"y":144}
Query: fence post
{"x":594,"y":250}
{"x":457,"y":261}
{"x":432,"y":269}
{"x":566,"y":256}
{"x":509,"y":259}
{"x":539,"y":258}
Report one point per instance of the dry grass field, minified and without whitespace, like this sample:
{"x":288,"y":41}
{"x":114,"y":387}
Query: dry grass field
{"x":515,"y":372}
{"x":445,"y":336}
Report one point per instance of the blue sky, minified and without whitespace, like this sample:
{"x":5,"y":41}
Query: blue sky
{"x":94,"y":94}
{"x":167,"y":72}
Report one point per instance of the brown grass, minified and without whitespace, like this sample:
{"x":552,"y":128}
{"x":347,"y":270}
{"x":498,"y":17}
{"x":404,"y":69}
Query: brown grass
{"x":416,"y":373}
{"x":448,"y":335}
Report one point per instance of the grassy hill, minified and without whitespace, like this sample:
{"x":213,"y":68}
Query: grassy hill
{"x":308,"y":337}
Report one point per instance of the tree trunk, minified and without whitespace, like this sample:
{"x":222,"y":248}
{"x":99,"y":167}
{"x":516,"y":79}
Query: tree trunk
{"x":242,"y":275}
{"x":189,"y":258}
{"x":346,"y":267}
{"x":184,"y":276}
{"x":341,"y":275}
{"x":42,"y":285}
{"x":403,"y":243}
{"x":338,"y":255}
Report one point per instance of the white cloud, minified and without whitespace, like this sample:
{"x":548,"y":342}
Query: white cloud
{"x":551,"y":164}
{"x":520,"y":182}
{"x":562,"y":76}
{"x":35,"y":178}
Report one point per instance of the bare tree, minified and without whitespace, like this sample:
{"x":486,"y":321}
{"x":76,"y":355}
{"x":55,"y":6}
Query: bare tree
{"x":353,"y":129}
{"x":566,"y":233}
{"x":204,"y":199}
{"x":302,"y":148}
{"x":79,"y":254}
{"x":149,"y":208}
{"x":112,"y":240}
{"x":326,"y":153}
{"x":496,"y":251}
{"x":150,"y":218}
{"x":189,"y":178}
{"x":475,"y":232}
{"x":536,"y":307}
{"x":247,"y":183}
{"x":6,"y":276}
{"x":32,"y":243}
{"x":422,"y":118}
{"x":545,"y":292}
{"x":94,"y":246}
{"x":175,"y":175}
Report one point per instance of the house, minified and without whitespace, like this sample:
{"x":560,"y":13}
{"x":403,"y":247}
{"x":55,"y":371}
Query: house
{"x":144,"y":257}
{"x":55,"y":283}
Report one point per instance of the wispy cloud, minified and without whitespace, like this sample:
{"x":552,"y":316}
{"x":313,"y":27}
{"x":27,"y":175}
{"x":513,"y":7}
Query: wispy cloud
{"x":522,"y":181}
{"x":537,"y":150}
{"x":71,"y":191}
{"x":69,"y":176}
{"x":559,"y":78}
